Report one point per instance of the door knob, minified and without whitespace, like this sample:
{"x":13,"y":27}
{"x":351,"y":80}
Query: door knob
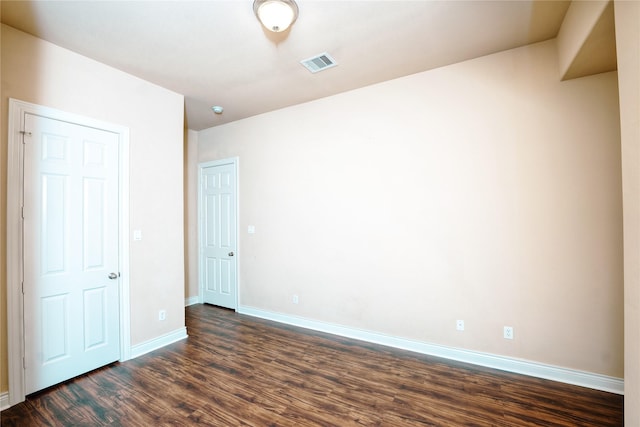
{"x":113,"y":276}
{"x":230,"y":253}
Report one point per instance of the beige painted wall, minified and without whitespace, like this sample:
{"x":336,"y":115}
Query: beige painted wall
{"x":4,"y":368}
{"x":488,"y":191}
{"x":578,"y":26}
{"x":191,"y":214}
{"x":627,"y":15}
{"x":39,"y":72}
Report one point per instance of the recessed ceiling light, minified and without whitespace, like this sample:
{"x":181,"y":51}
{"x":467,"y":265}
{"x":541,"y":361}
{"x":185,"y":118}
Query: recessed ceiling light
{"x":217,"y":109}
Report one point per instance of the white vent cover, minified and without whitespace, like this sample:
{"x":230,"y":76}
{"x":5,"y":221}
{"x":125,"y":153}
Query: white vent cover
{"x":319,"y":62}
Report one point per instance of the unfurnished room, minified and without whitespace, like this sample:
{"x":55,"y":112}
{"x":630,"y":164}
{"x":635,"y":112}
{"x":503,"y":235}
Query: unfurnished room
{"x":320,"y":212}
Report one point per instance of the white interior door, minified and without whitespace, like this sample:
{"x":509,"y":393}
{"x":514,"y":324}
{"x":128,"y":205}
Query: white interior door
{"x":71,"y":274}
{"x":218,"y":247}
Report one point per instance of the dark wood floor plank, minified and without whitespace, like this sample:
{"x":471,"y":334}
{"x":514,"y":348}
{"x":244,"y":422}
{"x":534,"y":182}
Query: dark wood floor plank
{"x":236,"y":370}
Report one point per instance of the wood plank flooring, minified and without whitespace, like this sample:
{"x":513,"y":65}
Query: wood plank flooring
{"x":236,"y":370}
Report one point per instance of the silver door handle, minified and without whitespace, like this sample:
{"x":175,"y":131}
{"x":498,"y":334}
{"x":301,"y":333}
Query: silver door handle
{"x":113,"y":276}
{"x":230,"y":253}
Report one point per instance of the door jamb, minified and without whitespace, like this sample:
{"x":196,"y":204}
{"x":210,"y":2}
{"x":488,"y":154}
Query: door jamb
{"x":15,"y":183}
{"x":235,"y":161}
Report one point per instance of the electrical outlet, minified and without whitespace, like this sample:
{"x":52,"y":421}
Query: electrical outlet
{"x":295,"y":299}
{"x":508,"y":332}
{"x":460,"y":325}
{"x":162,"y":315}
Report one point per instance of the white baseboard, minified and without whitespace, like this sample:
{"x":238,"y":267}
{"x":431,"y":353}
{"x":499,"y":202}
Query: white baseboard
{"x":4,"y":400}
{"x":136,"y":350}
{"x":539,"y":370}
{"x":191,"y":301}
{"x":156,"y":343}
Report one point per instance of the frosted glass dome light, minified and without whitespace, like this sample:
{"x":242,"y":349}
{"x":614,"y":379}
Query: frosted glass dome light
{"x":276,"y":15}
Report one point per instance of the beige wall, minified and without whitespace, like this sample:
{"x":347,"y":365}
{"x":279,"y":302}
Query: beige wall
{"x":488,"y":191}
{"x":627,"y":15}
{"x":4,"y":368}
{"x":586,"y":41}
{"x":576,"y":28}
{"x":36,"y":71}
{"x":191,"y":214}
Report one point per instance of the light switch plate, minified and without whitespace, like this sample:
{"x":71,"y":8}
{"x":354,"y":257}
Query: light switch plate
{"x":137,"y":234}
{"x":251,"y":229}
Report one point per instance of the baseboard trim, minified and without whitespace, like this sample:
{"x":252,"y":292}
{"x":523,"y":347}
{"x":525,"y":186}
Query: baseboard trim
{"x":539,"y":370}
{"x":157,"y":343}
{"x":4,"y":400}
{"x":136,"y":351}
{"x":191,"y":301}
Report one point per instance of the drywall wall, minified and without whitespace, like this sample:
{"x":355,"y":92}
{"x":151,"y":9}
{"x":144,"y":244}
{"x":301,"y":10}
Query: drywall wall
{"x":191,"y":216}
{"x":39,"y":72}
{"x":586,"y":41}
{"x":4,"y":366}
{"x":488,"y":191}
{"x":627,"y":16}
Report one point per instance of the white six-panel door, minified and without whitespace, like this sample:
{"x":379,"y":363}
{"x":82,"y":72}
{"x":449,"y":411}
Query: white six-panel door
{"x":218,"y":234}
{"x":71,"y":301}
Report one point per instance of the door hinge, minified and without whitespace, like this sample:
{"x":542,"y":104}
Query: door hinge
{"x":22,"y":288}
{"x":22,"y":211}
{"x":25,"y":133}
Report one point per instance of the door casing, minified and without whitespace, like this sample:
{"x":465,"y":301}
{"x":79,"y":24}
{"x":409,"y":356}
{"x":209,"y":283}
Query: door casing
{"x":15,"y":184}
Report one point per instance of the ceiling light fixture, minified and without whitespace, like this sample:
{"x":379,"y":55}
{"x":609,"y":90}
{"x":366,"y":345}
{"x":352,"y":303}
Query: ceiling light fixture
{"x":276,"y":15}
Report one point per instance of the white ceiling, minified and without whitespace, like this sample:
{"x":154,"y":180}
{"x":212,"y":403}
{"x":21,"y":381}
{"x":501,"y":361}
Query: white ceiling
{"x":216,"y":53}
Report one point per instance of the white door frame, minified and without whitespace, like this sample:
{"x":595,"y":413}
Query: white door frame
{"x":234,"y":161}
{"x":15,"y":184}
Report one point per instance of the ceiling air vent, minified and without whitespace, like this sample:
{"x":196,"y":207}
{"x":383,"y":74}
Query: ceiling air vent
{"x":319,"y":62}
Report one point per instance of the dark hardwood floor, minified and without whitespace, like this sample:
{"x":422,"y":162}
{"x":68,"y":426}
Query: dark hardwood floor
{"x":237,"y":370}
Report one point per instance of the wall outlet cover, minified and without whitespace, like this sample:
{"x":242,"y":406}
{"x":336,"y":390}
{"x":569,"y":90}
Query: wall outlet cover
{"x":508,"y":332}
